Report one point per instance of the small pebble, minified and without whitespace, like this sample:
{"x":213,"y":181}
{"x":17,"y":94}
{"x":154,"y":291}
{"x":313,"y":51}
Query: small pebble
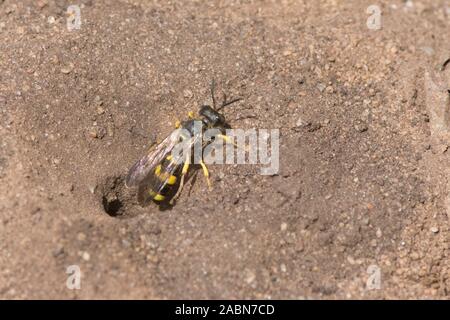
{"x":434,"y":229}
{"x":93,"y":133}
{"x":92,"y":189}
{"x":299,"y":122}
{"x":152,"y":258}
{"x":379,"y":233}
{"x":329,"y":89}
{"x":250,"y":277}
{"x":100,"y":110}
{"x":41,"y":3}
{"x":86,"y":256}
{"x":98,"y":101}
{"x":415,"y":256}
{"x":67,"y":69}
{"x":110,"y":129}
{"x":98,"y":133}
{"x":58,"y":251}
{"x":321,"y":87}
{"x":361,"y":127}
{"x":81,"y":236}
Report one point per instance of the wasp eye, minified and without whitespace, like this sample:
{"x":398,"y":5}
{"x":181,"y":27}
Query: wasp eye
{"x":204,"y":110}
{"x":211,"y":115}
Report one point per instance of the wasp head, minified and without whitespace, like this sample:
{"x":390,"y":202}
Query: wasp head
{"x":211,"y":117}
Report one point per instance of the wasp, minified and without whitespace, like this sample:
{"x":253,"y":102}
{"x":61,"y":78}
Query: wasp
{"x":159,"y":175}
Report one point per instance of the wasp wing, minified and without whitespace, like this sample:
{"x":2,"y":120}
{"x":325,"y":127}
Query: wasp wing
{"x":158,"y":181}
{"x":140,"y":170}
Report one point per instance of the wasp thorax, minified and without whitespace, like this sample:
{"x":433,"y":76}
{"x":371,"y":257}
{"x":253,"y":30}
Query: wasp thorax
{"x":211,"y":116}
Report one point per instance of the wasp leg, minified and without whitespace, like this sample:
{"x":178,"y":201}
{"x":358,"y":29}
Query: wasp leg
{"x":206,"y":174}
{"x":191,"y":115}
{"x":228,"y":139}
{"x":183,"y":174}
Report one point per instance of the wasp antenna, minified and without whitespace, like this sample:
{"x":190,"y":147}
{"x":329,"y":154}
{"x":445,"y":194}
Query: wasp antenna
{"x":213,"y":86}
{"x":226,"y":103}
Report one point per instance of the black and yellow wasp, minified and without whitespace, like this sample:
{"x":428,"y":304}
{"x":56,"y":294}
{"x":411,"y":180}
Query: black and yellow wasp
{"x":159,"y":175}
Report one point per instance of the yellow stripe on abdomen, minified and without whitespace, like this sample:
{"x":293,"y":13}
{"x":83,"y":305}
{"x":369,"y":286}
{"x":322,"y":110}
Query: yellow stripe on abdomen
{"x":156,"y":196}
{"x":159,"y":197}
{"x":172,"y":180}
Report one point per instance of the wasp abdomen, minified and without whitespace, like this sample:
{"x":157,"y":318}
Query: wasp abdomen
{"x":165,"y":178}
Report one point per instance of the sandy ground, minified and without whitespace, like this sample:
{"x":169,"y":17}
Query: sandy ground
{"x":364,"y":184}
